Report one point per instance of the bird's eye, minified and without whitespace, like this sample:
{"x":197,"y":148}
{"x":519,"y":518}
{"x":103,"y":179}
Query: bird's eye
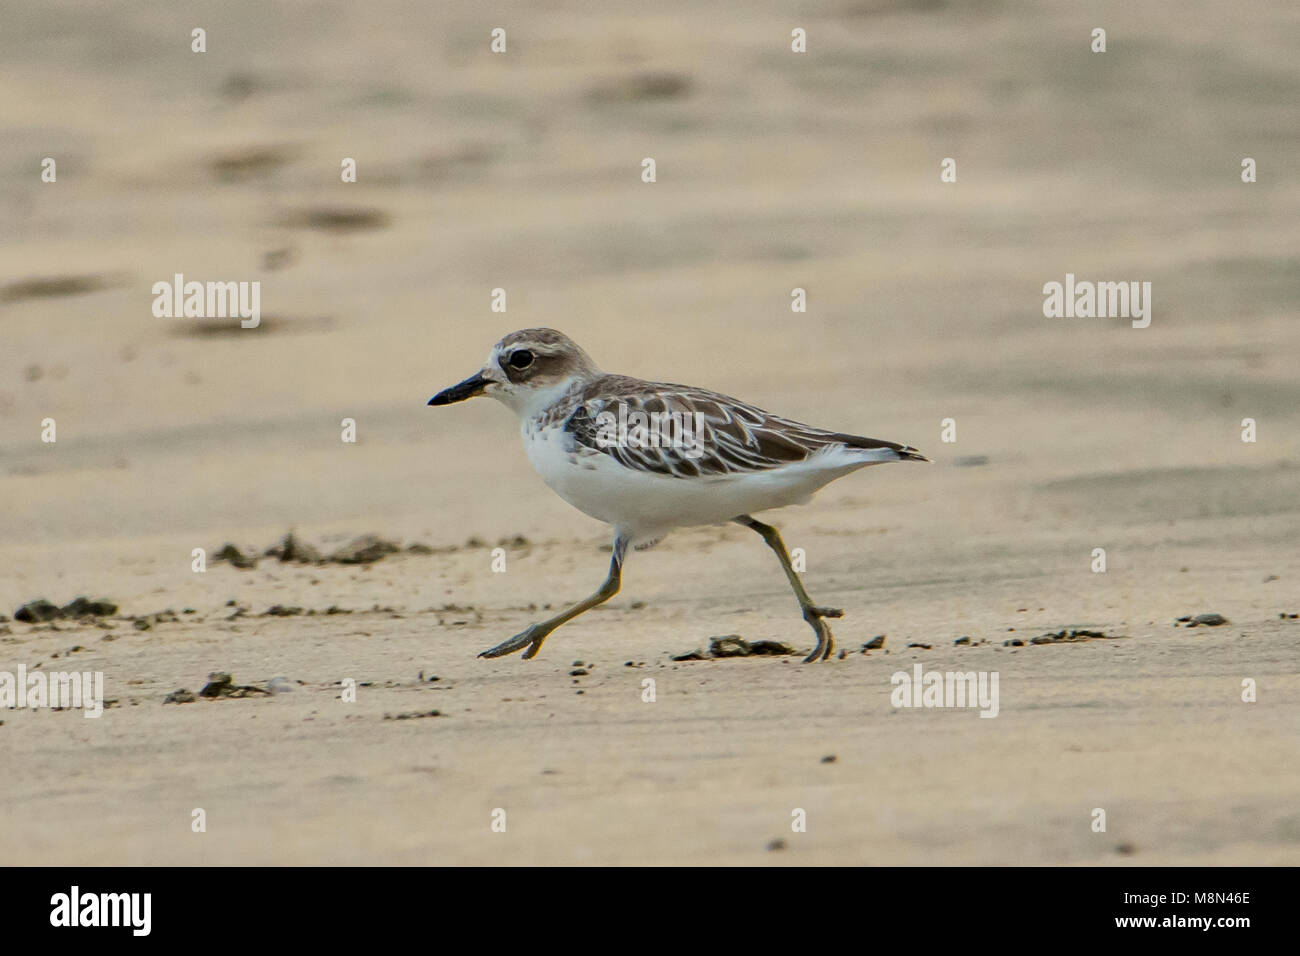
{"x":521,"y":358}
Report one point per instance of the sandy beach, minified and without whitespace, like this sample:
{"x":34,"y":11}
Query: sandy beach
{"x":775,"y":171}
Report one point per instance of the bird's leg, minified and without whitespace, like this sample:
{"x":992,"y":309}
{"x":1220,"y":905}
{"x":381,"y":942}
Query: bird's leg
{"x":533,"y":635}
{"x":811,"y":612}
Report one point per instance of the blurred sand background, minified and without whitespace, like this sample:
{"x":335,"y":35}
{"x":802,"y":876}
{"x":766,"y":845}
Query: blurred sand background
{"x":775,"y":171}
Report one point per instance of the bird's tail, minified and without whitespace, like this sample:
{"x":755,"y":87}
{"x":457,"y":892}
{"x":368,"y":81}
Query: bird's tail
{"x":882,"y":448}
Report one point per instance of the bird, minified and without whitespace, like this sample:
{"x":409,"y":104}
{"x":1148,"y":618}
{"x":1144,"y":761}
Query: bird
{"x":650,"y":457}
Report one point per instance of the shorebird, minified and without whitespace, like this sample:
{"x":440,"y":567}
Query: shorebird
{"x":648,"y":457}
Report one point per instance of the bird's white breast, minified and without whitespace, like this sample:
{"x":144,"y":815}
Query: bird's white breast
{"x":648,"y":505}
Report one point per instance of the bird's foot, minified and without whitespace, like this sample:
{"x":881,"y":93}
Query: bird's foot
{"x":825,"y":640}
{"x":823,"y":612}
{"x":530,"y":637}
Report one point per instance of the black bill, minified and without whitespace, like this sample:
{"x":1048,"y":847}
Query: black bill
{"x":458,"y":393}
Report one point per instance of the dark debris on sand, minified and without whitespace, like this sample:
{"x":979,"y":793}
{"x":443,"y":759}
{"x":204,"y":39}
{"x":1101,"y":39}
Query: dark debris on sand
{"x":364,"y":549}
{"x":1202,"y":620}
{"x":279,"y":610}
{"x":291,"y":549}
{"x":1065,"y":637}
{"x":42,"y":611}
{"x":733,"y":645}
{"x":236,"y":557}
{"x":221,"y":684}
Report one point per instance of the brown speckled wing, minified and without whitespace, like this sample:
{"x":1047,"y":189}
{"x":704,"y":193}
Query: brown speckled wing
{"x":733,"y":437}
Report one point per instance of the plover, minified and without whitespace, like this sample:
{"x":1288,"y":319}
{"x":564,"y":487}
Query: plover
{"x":648,"y":457}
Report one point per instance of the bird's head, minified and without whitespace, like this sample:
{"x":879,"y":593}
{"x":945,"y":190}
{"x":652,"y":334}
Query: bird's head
{"x":526,"y":370}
